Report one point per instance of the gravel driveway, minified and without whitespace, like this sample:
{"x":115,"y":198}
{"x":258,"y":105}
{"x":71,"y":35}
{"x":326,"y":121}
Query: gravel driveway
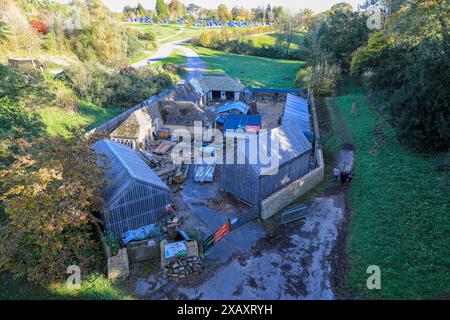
{"x":195,"y":66}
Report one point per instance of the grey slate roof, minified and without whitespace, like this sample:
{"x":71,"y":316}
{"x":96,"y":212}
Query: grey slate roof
{"x":208,"y":83}
{"x":293,"y":144}
{"x":124,"y":167}
{"x":185,"y":92}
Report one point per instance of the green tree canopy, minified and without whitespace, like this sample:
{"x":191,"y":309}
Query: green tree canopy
{"x":161,"y":9}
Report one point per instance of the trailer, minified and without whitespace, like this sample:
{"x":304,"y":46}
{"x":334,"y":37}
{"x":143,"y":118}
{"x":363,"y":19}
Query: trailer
{"x":346,"y":160}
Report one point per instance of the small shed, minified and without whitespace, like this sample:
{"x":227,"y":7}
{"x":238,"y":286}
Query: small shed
{"x":135,"y":196}
{"x":296,"y":111}
{"x":253,"y":181}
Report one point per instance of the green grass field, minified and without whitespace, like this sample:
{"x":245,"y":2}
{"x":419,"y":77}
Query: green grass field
{"x":271,"y":39}
{"x":161,"y":30}
{"x":89,"y":115}
{"x":168,"y":32}
{"x":176,"y":57}
{"x":400,"y":204}
{"x":95,"y":287}
{"x":253,"y":71}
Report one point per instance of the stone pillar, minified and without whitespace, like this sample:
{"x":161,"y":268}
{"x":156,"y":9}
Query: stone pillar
{"x":236,"y":95}
{"x":223,"y":95}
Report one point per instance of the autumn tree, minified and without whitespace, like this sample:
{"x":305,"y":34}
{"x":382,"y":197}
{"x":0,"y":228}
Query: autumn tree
{"x":177,"y":9}
{"x":223,"y":13}
{"x":39,"y":26}
{"x":235,"y":11}
{"x":51,"y":194}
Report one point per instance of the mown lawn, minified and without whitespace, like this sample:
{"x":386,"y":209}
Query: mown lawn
{"x":399,"y":211}
{"x":272,"y":39}
{"x":57,"y":120}
{"x":252,"y":71}
{"x":161,"y":30}
{"x":164,"y":31}
{"x":176,"y":57}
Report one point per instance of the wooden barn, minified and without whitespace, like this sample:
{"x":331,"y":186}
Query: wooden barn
{"x":253,"y":181}
{"x":135,"y":196}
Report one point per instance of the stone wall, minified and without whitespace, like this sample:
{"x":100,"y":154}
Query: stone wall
{"x":283,"y":197}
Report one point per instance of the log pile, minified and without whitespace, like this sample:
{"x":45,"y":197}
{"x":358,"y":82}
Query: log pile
{"x":183,"y":267}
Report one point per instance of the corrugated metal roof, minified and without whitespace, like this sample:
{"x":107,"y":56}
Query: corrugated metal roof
{"x":296,"y":111}
{"x":292,"y":144}
{"x":241,"y":121}
{"x":240,"y":106}
{"x":125,"y":166}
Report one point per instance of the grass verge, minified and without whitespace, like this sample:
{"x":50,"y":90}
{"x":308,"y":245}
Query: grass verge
{"x":95,"y":287}
{"x":56,"y":119}
{"x":400,"y":204}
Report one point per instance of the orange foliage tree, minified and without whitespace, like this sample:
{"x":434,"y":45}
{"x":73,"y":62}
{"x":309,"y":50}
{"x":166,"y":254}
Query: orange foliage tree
{"x":39,"y":26}
{"x":51,"y":194}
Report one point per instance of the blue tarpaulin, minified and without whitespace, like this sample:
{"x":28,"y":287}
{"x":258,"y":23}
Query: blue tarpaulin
{"x":241,"y":121}
{"x":142,"y":233}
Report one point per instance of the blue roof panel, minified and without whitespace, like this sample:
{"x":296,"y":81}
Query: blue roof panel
{"x":240,"y":121}
{"x":296,"y":111}
{"x":240,"y":106}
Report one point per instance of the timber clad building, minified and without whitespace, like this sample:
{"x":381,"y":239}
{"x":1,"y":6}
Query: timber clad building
{"x":135,"y":196}
{"x":254,"y":181}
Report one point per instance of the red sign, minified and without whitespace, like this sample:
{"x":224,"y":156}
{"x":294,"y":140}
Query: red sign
{"x":222,"y":232}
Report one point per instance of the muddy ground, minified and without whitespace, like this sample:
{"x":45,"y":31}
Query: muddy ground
{"x":271,"y":114}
